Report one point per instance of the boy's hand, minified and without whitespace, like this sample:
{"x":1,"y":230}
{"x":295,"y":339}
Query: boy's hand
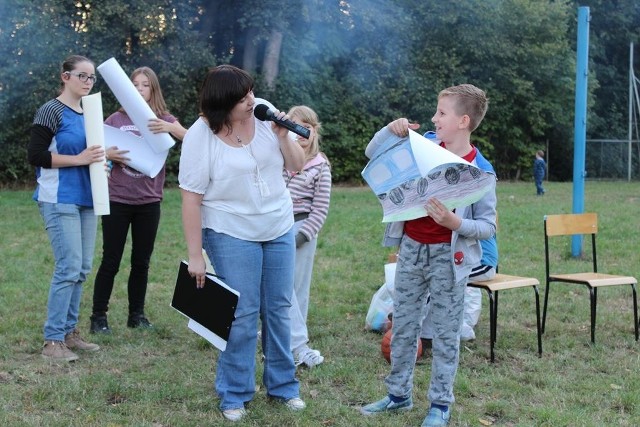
{"x":441,"y":215}
{"x":401,"y":127}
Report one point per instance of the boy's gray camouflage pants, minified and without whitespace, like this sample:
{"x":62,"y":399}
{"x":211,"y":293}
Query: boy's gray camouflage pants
{"x":424,"y":269}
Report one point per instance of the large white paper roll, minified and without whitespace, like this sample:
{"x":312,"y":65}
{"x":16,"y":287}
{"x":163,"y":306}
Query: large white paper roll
{"x":133,"y":103}
{"x":94,"y":130}
{"x":141,"y":157}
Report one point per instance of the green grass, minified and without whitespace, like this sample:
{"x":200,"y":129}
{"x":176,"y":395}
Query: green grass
{"x":165,"y":377}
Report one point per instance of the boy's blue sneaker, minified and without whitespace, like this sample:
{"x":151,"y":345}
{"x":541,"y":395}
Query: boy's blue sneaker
{"x":437,"y":418}
{"x":387,"y":405}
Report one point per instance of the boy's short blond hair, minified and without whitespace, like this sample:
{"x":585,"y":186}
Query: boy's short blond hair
{"x":470,"y":101}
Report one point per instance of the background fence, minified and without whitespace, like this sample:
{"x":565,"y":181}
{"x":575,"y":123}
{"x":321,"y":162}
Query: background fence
{"x":609,"y":159}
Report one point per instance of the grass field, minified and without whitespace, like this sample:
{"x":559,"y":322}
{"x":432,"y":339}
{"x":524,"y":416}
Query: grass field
{"x":164,"y":377}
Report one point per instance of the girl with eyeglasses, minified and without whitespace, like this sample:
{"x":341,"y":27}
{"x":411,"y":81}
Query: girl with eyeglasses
{"x":58,"y":149}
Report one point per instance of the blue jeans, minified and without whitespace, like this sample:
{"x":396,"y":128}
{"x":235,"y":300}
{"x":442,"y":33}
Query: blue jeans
{"x":72,"y":233}
{"x":263,"y":274}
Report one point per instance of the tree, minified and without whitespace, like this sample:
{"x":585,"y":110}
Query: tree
{"x":147,"y":32}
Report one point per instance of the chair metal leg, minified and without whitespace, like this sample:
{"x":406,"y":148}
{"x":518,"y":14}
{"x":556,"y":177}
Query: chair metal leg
{"x":492,"y":324}
{"x":593,"y":296}
{"x":495,"y":315}
{"x":635,"y":309}
{"x":544,"y":310}
{"x":539,"y":330}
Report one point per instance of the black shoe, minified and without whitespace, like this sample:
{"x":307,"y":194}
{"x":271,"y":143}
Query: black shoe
{"x":138,"y":321}
{"x":99,"y":324}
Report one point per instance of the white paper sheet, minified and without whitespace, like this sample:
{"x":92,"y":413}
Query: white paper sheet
{"x":214,"y":339}
{"x":141,"y":157}
{"x":93,"y":127}
{"x":405,"y":172}
{"x":133,"y":103}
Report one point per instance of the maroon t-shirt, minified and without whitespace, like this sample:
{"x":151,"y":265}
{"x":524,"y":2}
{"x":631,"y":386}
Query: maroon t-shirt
{"x":127,"y":185}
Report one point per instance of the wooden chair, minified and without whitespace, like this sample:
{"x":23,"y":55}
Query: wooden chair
{"x":502,"y":282}
{"x":582,"y":224}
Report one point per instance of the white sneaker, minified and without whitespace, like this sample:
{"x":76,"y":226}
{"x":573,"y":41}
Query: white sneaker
{"x":235,"y":414}
{"x":295,"y":404}
{"x":309,"y":357}
{"x":467,"y":333}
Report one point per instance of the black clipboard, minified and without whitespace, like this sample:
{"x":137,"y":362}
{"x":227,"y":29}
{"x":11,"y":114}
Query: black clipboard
{"x":210,"y":309}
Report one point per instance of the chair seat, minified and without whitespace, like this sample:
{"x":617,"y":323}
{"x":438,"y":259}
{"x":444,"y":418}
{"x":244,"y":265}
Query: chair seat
{"x":594,"y":279}
{"x":505,"y":281}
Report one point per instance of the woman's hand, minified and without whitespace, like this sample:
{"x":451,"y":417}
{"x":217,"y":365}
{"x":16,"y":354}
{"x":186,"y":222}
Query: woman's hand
{"x":401,"y":127}
{"x":160,"y":126}
{"x":115,"y":155}
{"x":197,"y":269}
{"x":280,"y":131}
{"x":89,"y":155}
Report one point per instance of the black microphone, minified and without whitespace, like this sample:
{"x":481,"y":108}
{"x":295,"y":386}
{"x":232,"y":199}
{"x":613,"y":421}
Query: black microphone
{"x":262,"y":112}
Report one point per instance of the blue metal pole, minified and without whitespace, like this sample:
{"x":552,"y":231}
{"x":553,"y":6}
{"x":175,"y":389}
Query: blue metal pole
{"x":580,"y":121}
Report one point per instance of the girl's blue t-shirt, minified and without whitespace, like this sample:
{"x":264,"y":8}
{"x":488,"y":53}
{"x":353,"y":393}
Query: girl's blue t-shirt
{"x":71,"y":185}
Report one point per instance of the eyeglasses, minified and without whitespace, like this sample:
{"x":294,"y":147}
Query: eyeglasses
{"x":83,"y":77}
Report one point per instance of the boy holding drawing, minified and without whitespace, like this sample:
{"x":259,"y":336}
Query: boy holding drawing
{"x":436,"y":255}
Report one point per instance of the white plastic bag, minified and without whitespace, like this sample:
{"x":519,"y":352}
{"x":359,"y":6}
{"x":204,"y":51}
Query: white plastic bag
{"x":382,"y":303}
{"x":390,"y":277}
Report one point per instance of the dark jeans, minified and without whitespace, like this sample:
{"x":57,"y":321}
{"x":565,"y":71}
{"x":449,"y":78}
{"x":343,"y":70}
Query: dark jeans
{"x":144,"y":220}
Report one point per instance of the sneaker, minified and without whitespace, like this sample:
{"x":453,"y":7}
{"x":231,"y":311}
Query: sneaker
{"x":309,"y":357}
{"x":99,"y":324}
{"x":295,"y":404}
{"x":58,"y":351}
{"x":437,"y":418}
{"x":467,"y":333}
{"x":138,"y":321}
{"x":387,"y":405}
{"x":75,"y":341}
{"x":235,"y":414}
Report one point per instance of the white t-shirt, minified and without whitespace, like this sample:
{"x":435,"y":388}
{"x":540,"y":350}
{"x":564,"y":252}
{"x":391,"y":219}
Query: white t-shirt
{"x":244,"y":194}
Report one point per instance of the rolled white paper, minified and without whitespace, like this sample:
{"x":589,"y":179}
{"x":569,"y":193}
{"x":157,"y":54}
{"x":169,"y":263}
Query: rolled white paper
{"x":141,"y":157}
{"x":133,"y":103}
{"x":94,"y":130}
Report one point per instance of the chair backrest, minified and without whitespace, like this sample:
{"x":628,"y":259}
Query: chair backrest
{"x":568,"y":225}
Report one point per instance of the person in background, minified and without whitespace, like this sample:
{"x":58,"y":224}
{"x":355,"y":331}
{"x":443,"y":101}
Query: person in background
{"x":437,"y":253}
{"x":134,"y":202}
{"x":539,"y":171}
{"x":310,"y":190}
{"x":235,"y":204}
{"x":58,"y":149}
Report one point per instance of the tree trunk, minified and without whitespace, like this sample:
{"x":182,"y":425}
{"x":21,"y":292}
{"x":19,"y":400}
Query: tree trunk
{"x":272,"y":58}
{"x":250,"y":54}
